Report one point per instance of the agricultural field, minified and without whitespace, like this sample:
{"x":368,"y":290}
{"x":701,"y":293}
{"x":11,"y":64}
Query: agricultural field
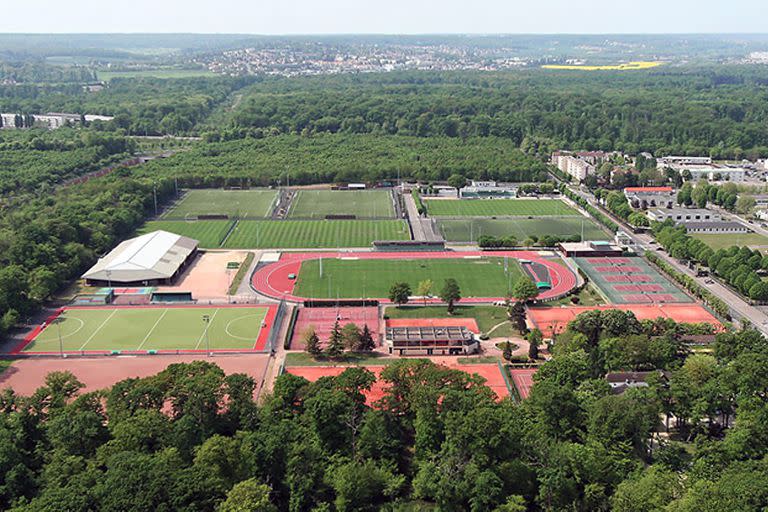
{"x":154,"y":73}
{"x":254,"y":203}
{"x":497,"y":208}
{"x":307,"y":234}
{"x":723,"y":241}
{"x":628,"y":66}
{"x":151,"y":328}
{"x":316,"y":204}
{"x":210,"y":233}
{"x":372,"y":278}
{"x":469,"y":230}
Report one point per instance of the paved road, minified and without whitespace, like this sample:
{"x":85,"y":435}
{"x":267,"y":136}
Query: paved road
{"x":739,"y":307}
{"x":422,"y":227}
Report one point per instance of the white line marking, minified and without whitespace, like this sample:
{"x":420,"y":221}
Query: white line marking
{"x":206,"y":327}
{"x":152,"y":329}
{"x":98,"y":329}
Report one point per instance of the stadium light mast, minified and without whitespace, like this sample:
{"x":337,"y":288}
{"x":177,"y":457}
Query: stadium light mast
{"x":207,"y":320}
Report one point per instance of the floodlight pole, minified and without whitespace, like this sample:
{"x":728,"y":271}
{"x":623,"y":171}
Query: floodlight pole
{"x":61,"y":341}
{"x":207,"y":320}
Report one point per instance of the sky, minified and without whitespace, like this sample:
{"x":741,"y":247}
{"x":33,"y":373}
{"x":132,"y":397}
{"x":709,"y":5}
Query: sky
{"x":384,"y":16}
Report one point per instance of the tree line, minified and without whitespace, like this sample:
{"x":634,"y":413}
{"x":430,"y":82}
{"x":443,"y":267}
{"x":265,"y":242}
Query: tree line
{"x":192,"y":438}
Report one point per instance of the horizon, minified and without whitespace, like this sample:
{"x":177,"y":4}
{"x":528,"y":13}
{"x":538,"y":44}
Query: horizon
{"x":331,"y":17}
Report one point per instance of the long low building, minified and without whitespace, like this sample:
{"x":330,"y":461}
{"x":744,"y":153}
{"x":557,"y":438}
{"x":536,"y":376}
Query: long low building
{"x":431,"y":336}
{"x":716,"y":227}
{"x":156,"y":258}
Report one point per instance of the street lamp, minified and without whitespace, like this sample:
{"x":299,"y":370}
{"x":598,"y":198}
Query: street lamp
{"x":58,"y":320}
{"x":207,"y":320}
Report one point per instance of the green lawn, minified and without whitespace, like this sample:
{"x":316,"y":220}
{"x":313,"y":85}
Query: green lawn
{"x":723,"y":241}
{"x":486,"y":316}
{"x":372,"y":278}
{"x":254,"y":203}
{"x":469,"y":230}
{"x":497,"y":207}
{"x":316,"y":204}
{"x":154,"y":73}
{"x":209,"y":233}
{"x":253,"y":234}
{"x":106,"y":329}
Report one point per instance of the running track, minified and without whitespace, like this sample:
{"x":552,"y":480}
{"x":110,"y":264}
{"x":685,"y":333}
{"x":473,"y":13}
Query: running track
{"x":272,"y":280}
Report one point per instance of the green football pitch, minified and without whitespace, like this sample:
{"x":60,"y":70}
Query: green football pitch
{"x":157,"y":328}
{"x":497,"y":208}
{"x":372,"y":278}
{"x":305,"y":234}
{"x":316,"y":204}
{"x":210,"y":233}
{"x":469,"y":230}
{"x":253,"y":203}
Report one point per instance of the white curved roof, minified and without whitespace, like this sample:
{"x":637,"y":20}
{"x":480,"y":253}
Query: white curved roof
{"x":155,"y":255}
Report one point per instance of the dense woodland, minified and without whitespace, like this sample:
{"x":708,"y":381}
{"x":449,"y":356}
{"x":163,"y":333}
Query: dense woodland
{"x":682,"y":111}
{"x":191,"y":438}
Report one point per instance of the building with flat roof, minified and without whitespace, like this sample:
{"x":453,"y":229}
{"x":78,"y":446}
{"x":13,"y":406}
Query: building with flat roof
{"x":684,"y":215}
{"x":155,"y":258}
{"x":477,"y":189}
{"x":431,"y":336}
{"x":589,"y":249}
{"x":668,"y":161}
{"x":716,"y":227}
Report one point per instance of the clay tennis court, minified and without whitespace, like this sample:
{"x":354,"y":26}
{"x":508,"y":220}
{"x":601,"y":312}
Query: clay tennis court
{"x":26,"y":375}
{"x":490,"y":372}
{"x":323,"y":319}
{"x":278,"y":280}
{"x":630,"y":280}
{"x":522,"y":379}
{"x":555,"y":319}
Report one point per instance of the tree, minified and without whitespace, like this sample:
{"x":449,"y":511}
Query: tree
{"x":534,"y":340}
{"x":367,"y":342}
{"x":507,"y":353}
{"x":458,"y":182}
{"x":336,"y":342}
{"x":350,"y":333}
{"x":399,"y":293}
{"x":745,"y":204}
{"x":524,"y":290}
{"x":517,"y":316}
{"x":247,"y":496}
{"x":450,"y":294}
{"x":424,"y":289}
{"x":700,"y":195}
{"x":311,"y":341}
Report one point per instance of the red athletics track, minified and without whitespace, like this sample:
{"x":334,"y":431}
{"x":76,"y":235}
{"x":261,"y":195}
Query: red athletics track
{"x":272,"y":279}
{"x":259,"y":345}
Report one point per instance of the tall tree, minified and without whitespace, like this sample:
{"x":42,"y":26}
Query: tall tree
{"x":450,"y":294}
{"x":399,"y":293}
{"x":336,"y":342}
{"x":367,"y":342}
{"x":524,"y":290}
{"x":311,"y":341}
{"x":534,"y":340}
{"x":424,"y":289}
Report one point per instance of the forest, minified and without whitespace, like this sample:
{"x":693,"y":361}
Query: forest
{"x":192,"y":438}
{"x":720,"y":112}
{"x":328,"y":158}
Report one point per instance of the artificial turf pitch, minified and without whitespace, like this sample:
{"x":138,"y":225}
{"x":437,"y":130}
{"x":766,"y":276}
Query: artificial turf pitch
{"x":254,"y":234}
{"x":253,"y":203}
{"x":498,"y":208}
{"x":470,"y":230}
{"x":152,"y":328}
{"x":373,"y":278}
{"x":316,"y":204}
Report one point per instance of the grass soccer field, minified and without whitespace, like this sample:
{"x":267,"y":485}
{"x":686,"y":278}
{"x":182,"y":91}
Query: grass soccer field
{"x":723,"y":241}
{"x":372,"y":278}
{"x":256,"y":203}
{"x":153,"y":328}
{"x":497,"y":208}
{"x":316,"y":204}
{"x":306,"y":234}
{"x":210,"y":233}
{"x":469,"y":230}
